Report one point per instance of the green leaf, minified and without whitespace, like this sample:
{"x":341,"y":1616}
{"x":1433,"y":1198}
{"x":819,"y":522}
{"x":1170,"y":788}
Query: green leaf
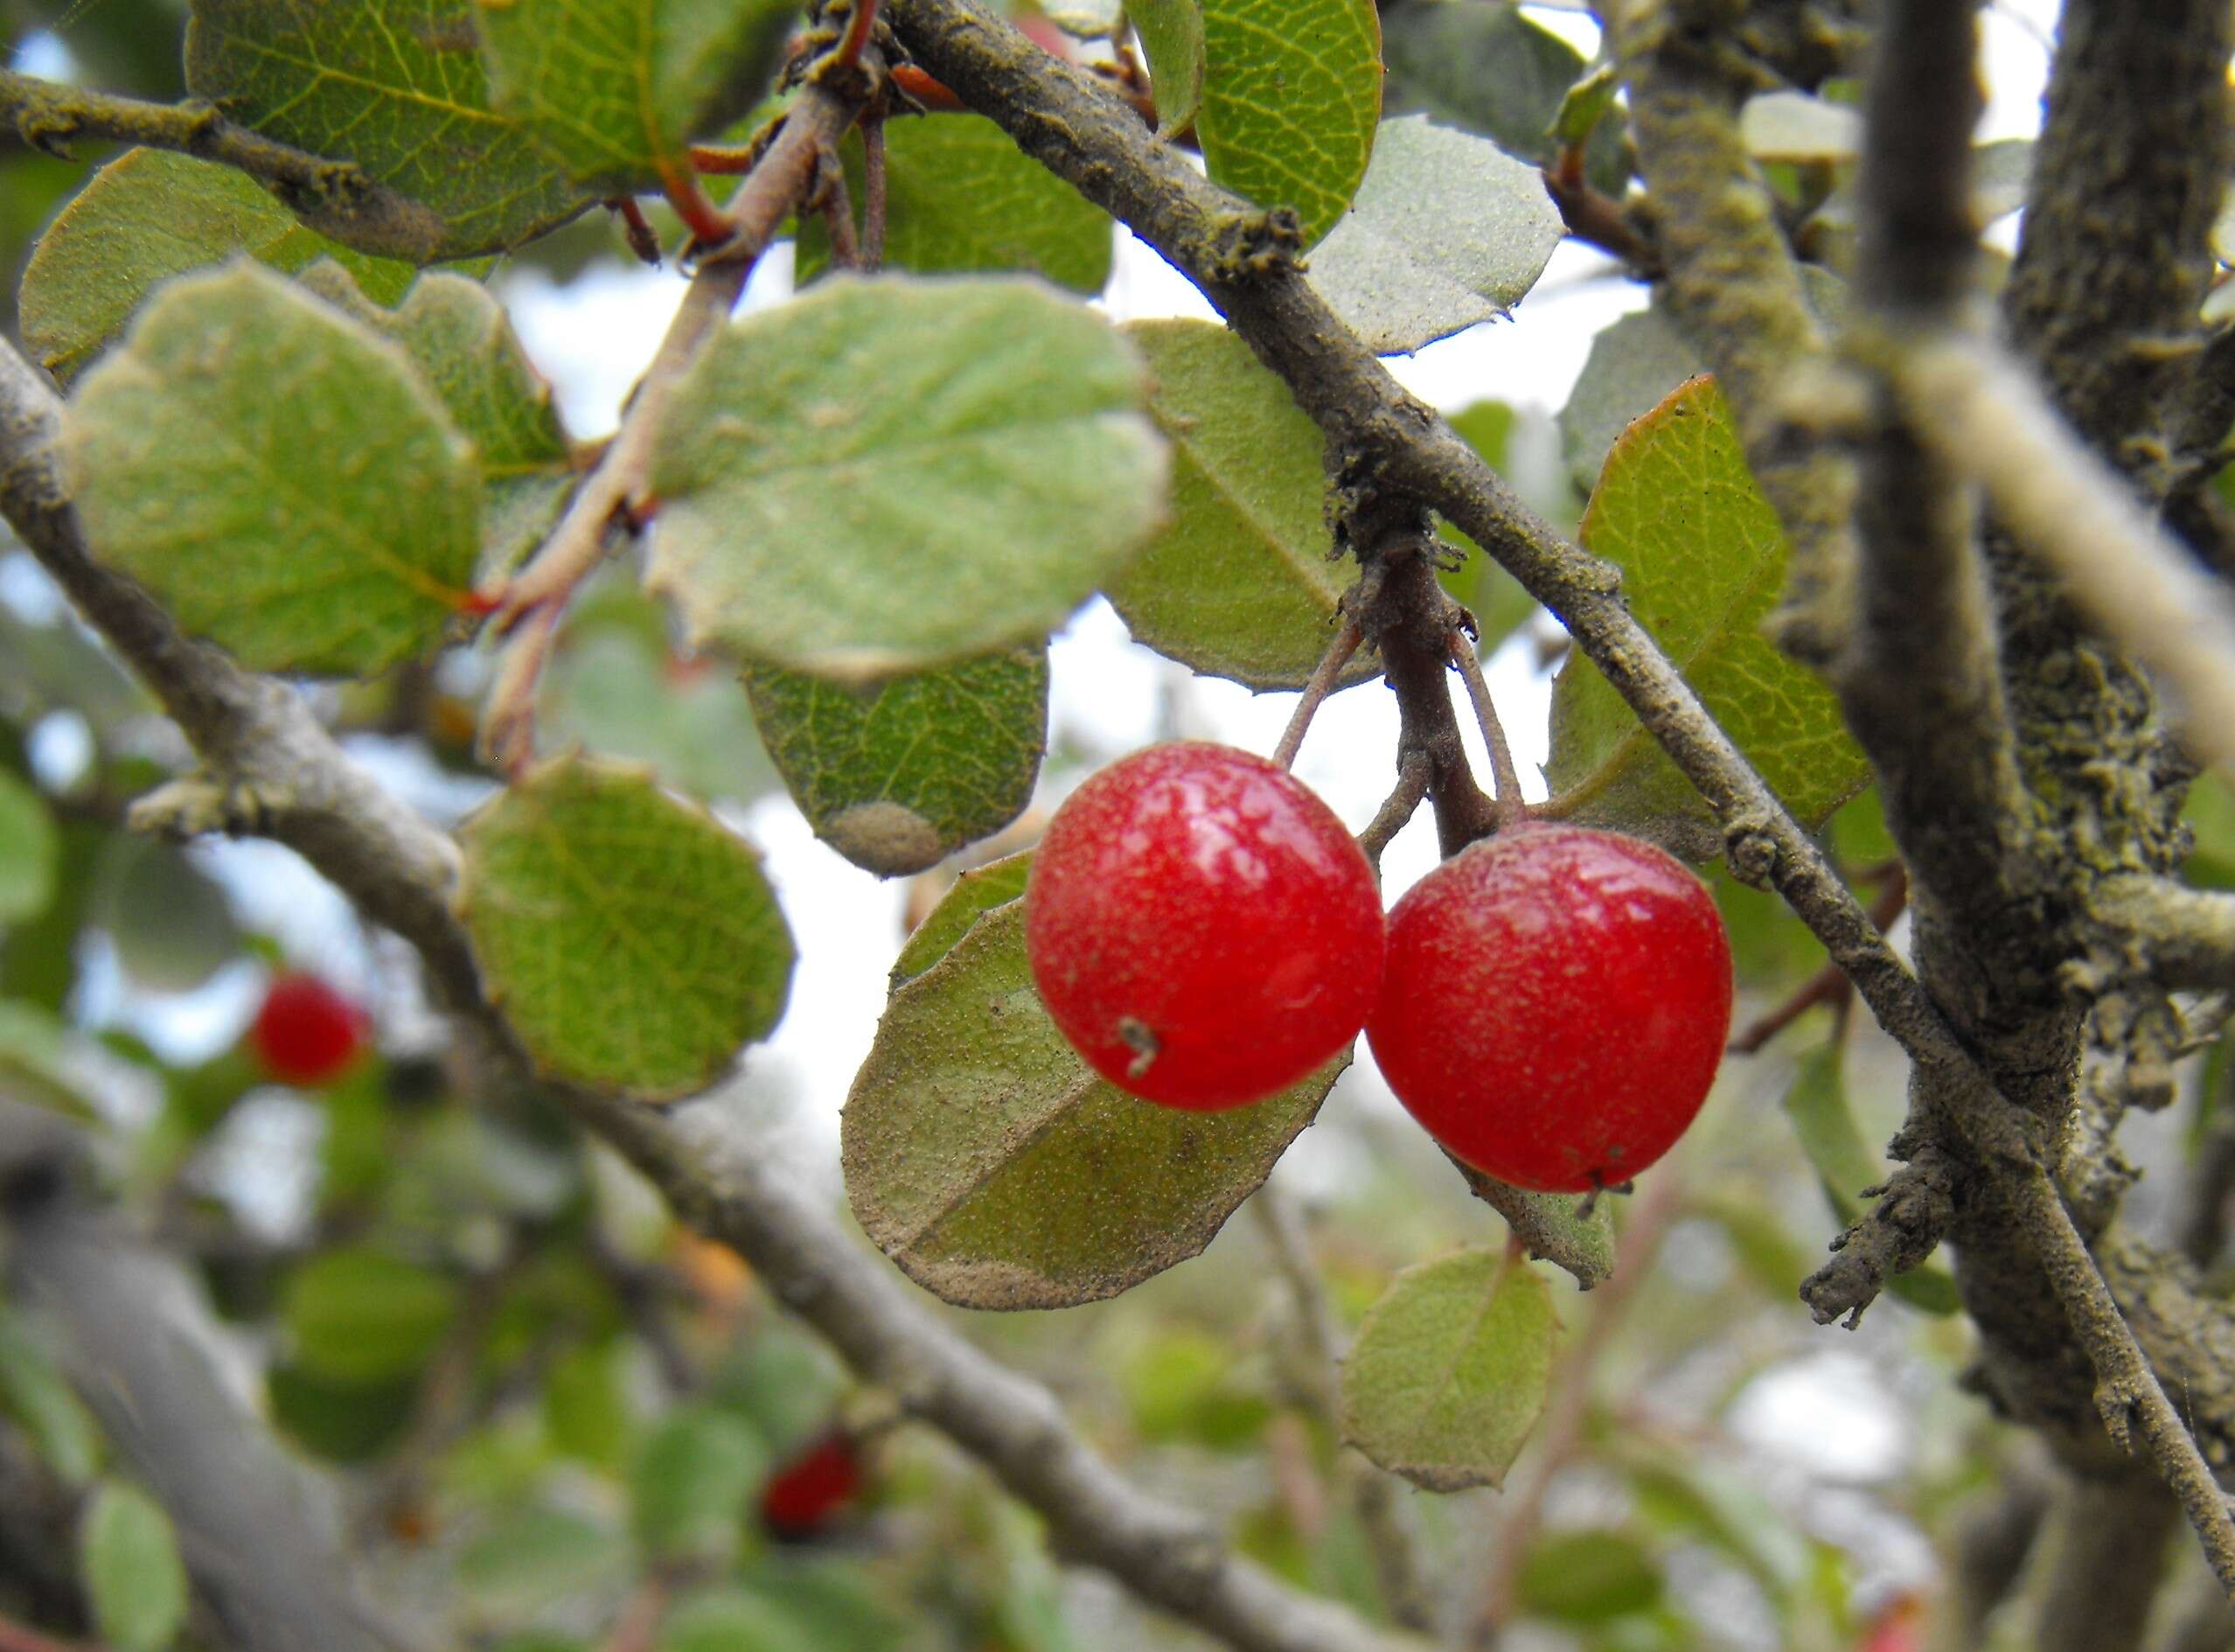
{"x":1587,"y":1576}
{"x":586,"y":1412}
{"x":37,"y":1398}
{"x":1449,"y":230}
{"x":460,"y":340}
{"x":615,"y":90}
{"x":362,"y":1316}
{"x":396,"y":87}
{"x":1291,"y":94}
{"x":341,"y":1422}
{"x":1179,"y":1384}
{"x":985,"y":1158}
{"x":1171,"y":39}
{"x":520,"y":1566}
{"x":960,"y":196}
{"x":888,"y":475}
{"x":728,"y":1619}
{"x":1703,"y":559}
{"x":898,"y":778}
{"x":976,"y":892}
{"x":691,"y":1481}
{"x":1817,"y":1105}
{"x":277,"y":476}
{"x":172,"y":923}
{"x":36,"y":1063}
{"x":1633,"y":366}
{"x":2210,"y":814}
{"x":30,"y":850}
{"x":629,"y":936}
{"x":1485,"y":67}
{"x":1242,"y":582}
{"x":134,"y":1577}
{"x":1450,"y":1370}
{"x":148,"y":216}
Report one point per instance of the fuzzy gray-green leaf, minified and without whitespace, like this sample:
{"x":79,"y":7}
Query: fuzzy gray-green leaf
{"x":986,"y":1160}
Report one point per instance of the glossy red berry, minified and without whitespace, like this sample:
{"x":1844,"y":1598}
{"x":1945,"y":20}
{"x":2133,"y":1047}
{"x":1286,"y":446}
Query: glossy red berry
{"x":1554,"y":1006}
{"x":803,"y":1497}
{"x":306,"y":1033}
{"x":1201,"y":927}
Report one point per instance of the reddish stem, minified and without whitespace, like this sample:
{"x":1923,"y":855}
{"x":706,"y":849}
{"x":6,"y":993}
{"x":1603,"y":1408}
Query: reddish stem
{"x":858,"y":26}
{"x":873,"y":192}
{"x":708,"y":224}
{"x":932,"y":94}
{"x":642,"y":241}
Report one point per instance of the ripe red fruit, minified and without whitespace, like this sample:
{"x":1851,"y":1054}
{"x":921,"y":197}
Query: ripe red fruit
{"x":306,"y":1032}
{"x":1201,"y":926}
{"x":1556,"y":1005}
{"x":803,"y":1498}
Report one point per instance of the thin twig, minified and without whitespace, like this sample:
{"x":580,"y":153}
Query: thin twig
{"x":336,"y":197}
{"x":1829,"y":985}
{"x":785,"y":172}
{"x":831,"y":200}
{"x":1396,"y":1566}
{"x":873,"y":192}
{"x":1651,"y":1214}
{"x":1324,"y":676}
{"x":1512,"y":812}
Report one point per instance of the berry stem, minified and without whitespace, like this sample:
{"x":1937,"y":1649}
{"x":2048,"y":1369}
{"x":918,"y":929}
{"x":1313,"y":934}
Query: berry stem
{"x":1346,"y":639}
{"x":1507,"y":778}
{"x":1403,"y":805}
{"x":831,"y":200}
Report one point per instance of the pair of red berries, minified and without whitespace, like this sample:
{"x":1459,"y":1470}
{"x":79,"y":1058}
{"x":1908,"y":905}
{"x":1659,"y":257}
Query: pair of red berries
{"x":1551,"y":1004}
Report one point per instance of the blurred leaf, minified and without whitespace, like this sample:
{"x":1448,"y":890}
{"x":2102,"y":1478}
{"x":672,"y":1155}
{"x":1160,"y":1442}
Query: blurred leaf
{"x":1633,"y":366}
{"x":1180,"y":1384}
{"x":631,"y":937}
{"x":1292,"y":95}
{"x":36,"y":1396}
{"x":1797,"y":126}
{"x":975,"y":893}
{"x":615,"y":90}
{"x":1583,"y":105}
{"x":341,"y":1422}
{"x":361,"y":1316}
{"x":31,"y":850}
{"x":149,"y":216}
{"x":723,"y":1619}
{"x":329,"y":530}
{"x":459,"y":338}
{"x":1770,"y":1256}
{"x":2210,"y":815}
{"x":1817,"y":1105}
{"x":397,"y":86}
{"x":692,"y":1482}
{"x":171,"y":922}
{"x":1495,"y":430}
{"x":1449,"y":1372}
{"x":1587,"y":1576}
{"x":887,"y":475}
{"x":134,"y":1579}
{"x":985,"y":1158}
{"x":537,"y":1556}
{"x":586,"y":1412}
{"x":1448,"y":231}
{"x":619,"y":694}
{"x":1771,"y":949}
{"x":837,"y":1601}
{"x":782,"y":1381}
{"x":1703,"y":1501}
{"x":1241,"y":582}
{"x":1171,"y":39}
{"x":1485,"y":67}
{"x":960,"y":196}
{"x":898,"y":778}
{"x":1858,"y":835}
{"x":37,"y":1062}
{"x":1703,"y":559}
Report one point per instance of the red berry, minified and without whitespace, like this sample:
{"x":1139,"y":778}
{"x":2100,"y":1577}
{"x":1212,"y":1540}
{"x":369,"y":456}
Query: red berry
{"x":1201,"y":926}
{"x":306,"y":1033}
{"x":803,"y":1496}
{"x":1556,"y":1005}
